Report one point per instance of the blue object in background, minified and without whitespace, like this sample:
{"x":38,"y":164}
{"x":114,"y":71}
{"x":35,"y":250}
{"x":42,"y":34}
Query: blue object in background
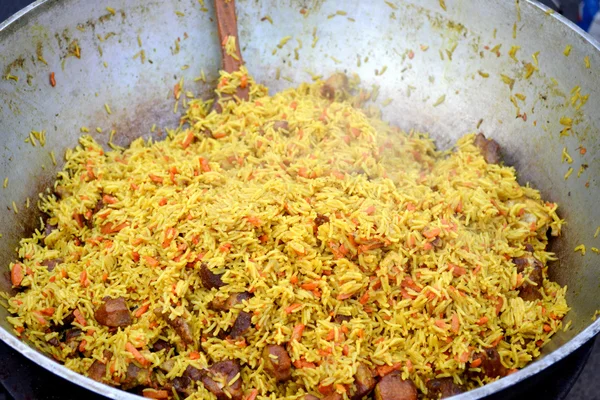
{"x":588,"y":11}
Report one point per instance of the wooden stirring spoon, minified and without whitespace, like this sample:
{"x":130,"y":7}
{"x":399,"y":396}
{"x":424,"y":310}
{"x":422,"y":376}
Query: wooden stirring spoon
{"x":227,"y":26}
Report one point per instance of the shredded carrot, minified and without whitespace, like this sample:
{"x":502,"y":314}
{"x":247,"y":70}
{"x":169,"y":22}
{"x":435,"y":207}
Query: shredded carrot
{"x":204,"y":164}
{"x":194,"y":355}
{"x":364,"y":298}
{"x":386,"y":369}
{"x":189,"y":138}
{"x":244,"y":81}
{"x":140,"y":311}
{"x":83,"y":280}
{"x":431,"y":233}
{"x":476,"y":363}
{"x":79,"y":317}
{"x":136,"y":354}
{"x":440,"y":324}
{"x":294,"y":279}
{"x":457,"y":271}
{"x":455,"y":323}
{"x":155,"y":394}
{"x":547,"y":328}
{"x":464,"y":357}
{"x":310,"y":286}
{"x":292,"y":308}
{"x":52,"y":79}
{"x":153,"y":262}
{"x":16,"y":274}
{"x":370,"y":210}
{"x":108,"y":199}
{"x":302,"y":363}
{"x":482,"y":321}
{"x":331,"y":335}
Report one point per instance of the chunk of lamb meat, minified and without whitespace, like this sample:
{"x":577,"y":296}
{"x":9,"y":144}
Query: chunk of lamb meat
{"x":135,"y":377}
{"x":393,"y":387}
{"x":161,"y":345}
{"x":51,"y":264}
{"x":443,"y":387}
{"x":223,"y":371}
{"x":335,"y":84}
{"x":230,"y":302}
{"x":97,"y":371}
{"x":529,"y":291}
{"x":209,"y":279}
{"x":490,"y":149}
{"x":241,"y":325}
{"x":491,"y":363}
{"x":281,"y":126}
{"x":72,"y":338}
{"x":363,"y":383}
{"x":277,"y":362}
{"x":182,"y":385}
{"x":113,"y":313}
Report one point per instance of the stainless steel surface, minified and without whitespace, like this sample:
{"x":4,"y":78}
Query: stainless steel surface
{"x":416,"y":78}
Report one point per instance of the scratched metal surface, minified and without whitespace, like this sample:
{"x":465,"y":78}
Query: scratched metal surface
{"x":430,"y":55}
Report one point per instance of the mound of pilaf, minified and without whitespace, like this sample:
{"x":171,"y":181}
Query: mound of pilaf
{"x":291,"y":246}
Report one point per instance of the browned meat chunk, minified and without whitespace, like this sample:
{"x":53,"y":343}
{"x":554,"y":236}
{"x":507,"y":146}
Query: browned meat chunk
{"x":54,"y":342}
{"x":489,"y":149}
{"x":281,"y":126}
{"x":97,"y":371}
{"x":230,"y":302}
{"x":209,"y":279}
{"x":321,"y":219}
{"x":113,"y":313}
{"x":443,"y":387}
{"x":161,"y":345}
{"x":182,"y":385}
{"x":393,"y":387}
{"x":223,"y":371}
{"x":241,"y":325}
{"x":532,"y":266}
{"x":340,"y":319}
{"x":334,"y":396}
{"x":48,"y":229}
{"x":62,"y":192}
{"x":193,"y":373}
{"x":363,"y":383}
{"x":335,"y":84}
{"x":135,"y":377}
{"x":51,"y":264}
{"x":491,"y":363}
{"x":310,"y":397}
{"x":277,"y":362}
{"x":182,"y":328}
{"x":72,"y":338}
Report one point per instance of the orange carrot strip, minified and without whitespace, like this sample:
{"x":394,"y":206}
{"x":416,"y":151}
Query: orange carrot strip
{"x":194,"y":355}
{"x":140,"y":311}
{"x":136,"y":354}
{"x":52,"y":79}
{"x":431,"y":233}
{"x":108,"y":199}
{"x":79,"y":317}
{"x":310,"y":286}
{"x":189,"y":138}
{"x":155,"y":394}
{"x":297,"y":332}
{"x":153,"y":262}
{"x":364,"y":298}
{"x":482,"y":321}
{"x":455,"y":323}
{"x":16,"y":274}
{"x":476,"y":363}
{"x":292,"y":308}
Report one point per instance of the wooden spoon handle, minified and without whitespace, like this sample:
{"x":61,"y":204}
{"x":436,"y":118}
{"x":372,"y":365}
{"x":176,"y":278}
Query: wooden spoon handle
{"x":227,"y":26}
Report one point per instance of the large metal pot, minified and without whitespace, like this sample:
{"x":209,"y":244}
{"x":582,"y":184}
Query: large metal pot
{"x":441,"y":75}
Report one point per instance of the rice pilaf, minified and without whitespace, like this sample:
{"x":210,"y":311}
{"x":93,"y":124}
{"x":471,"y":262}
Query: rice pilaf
{"x":353,"y":243}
